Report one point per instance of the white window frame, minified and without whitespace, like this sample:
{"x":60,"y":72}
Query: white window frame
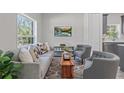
{"x":34,"y":29}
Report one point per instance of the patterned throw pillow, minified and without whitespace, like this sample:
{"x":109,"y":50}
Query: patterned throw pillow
{"x":39,"y":48}
{"x":34,"y":54}
{"x":42,"y":48}
{"x":36,"y":49}
{"x":47,"y":45}
{"x":37,"y":52}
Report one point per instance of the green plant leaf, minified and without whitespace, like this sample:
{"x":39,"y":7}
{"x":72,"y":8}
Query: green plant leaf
{"x":5,"y":66}
{"x":17,"y":66}
{"x":8,"y":77}
{"x":1,"y":52}
{"x":8,"y":69}
{"x":9,"y":54}
{"x":4,"y":58}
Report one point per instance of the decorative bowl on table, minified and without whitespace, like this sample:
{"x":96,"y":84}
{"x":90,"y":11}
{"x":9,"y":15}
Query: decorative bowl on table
{"x":66,"y":56}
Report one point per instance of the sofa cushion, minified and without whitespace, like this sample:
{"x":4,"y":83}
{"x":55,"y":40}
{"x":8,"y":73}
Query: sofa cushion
{"x":44,"y":63}
{"x":25,"y":56}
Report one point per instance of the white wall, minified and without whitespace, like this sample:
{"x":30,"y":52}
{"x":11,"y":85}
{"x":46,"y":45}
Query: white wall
{"x":62,"y":19}
{"x":8,"y":29}
{"x":86,"y":28}
{"x":114,"y":18}
{"x":93,"y":30}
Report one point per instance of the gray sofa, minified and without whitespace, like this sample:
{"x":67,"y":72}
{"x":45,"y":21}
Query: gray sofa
{"x":35,"y":70}
{"x":102,"y":65}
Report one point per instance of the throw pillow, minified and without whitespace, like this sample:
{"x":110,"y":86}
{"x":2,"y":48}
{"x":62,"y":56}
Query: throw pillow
{"x":34,"y":54}
{"x":36,"y":49}
{"x":44,"y":47}
{"x":39,"y":48}
{"x":25,"y":56}
{"x":47,"y":45}
{"x":43,"y":51}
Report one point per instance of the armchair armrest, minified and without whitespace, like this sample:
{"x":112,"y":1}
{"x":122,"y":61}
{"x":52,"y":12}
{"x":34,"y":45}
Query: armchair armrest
{"x":88,"y":63}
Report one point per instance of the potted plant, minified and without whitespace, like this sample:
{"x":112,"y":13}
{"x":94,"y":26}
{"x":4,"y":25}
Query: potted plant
{"x":112,"y":35}
{"x":8,"y":70}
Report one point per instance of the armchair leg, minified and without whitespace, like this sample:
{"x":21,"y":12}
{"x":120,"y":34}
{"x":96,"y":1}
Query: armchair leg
{"x":82,"y":61}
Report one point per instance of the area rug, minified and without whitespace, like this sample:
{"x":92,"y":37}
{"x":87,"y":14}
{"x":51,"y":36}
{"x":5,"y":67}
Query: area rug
{"x":54,"y":71}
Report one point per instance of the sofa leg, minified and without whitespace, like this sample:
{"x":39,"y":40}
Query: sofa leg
{"x":74,"y":57}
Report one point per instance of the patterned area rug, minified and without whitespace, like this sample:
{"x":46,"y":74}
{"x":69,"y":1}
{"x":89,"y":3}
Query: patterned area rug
{"x":54,"y":71}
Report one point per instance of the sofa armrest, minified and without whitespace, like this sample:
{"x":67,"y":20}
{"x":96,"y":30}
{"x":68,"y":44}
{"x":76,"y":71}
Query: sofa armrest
{"x":29,"y":70}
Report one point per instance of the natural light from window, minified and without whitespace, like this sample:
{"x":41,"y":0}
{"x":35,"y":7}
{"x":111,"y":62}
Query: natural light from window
{"x":26,"y":30}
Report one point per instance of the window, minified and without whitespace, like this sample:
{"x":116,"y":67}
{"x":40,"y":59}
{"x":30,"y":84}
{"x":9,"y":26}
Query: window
{"x":111,"y":27}
{"x":26,"y":30}
{"x":114,"y":29}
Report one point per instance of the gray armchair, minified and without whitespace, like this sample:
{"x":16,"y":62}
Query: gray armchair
{"x":82,"y":52}
{"x":102,"y":65}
